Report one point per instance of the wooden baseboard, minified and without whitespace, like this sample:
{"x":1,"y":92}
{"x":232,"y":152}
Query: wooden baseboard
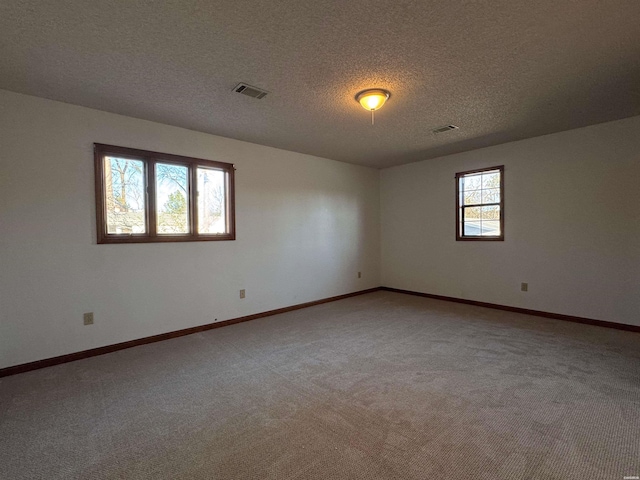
{"x":526,"y":311}
{"x":49,"y":362}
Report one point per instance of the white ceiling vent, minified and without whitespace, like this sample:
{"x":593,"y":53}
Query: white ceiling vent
{"x":250,"y":91}
{"x":445,"y":128}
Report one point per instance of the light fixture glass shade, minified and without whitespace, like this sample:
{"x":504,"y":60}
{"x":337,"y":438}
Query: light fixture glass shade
{"x":372,"y":99}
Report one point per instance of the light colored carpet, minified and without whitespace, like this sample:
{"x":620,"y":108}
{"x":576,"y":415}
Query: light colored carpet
{"x":383,"y":385}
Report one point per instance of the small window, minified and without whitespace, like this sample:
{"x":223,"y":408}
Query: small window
{"x":480,"y":204}
{"x":157,"y":197}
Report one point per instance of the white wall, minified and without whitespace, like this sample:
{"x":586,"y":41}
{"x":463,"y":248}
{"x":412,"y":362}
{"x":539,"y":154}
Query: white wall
{"x":572,"y":228}
{"x":305,"y":227}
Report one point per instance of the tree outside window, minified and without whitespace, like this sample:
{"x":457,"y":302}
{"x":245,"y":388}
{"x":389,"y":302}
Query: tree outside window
{"x":146,"y":196}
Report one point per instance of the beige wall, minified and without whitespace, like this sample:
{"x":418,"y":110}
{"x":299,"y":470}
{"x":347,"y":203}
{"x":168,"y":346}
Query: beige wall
{"x":572,"y":225}
{"x":305,"y":227}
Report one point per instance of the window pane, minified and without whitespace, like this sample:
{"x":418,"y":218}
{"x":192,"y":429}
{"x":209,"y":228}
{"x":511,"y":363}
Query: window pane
{"x":472,"y":221}
{"x":471,"y":182}
{"x":212,"y":201}
{"x":491,"y":196}
{"x":490,"y":228}
{"x":472,"y":228}
{"x":172,"y":198}
{"x":472,"y":197}
{"x":490,"y":213}
{"x":124,"y":196}
{"x":491,"y":180}
{"x":472,"y":213}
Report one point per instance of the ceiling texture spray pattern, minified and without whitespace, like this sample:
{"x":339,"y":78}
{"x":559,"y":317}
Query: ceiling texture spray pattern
{"x":500,"y":70}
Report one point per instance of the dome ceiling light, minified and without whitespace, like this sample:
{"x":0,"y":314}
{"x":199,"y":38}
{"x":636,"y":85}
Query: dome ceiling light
{"x":372,"y":99}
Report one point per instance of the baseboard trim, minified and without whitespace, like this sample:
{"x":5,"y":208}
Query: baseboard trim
{"x":71,"y":357}
{"x":526,"y":311}
{"x":50,"y":362}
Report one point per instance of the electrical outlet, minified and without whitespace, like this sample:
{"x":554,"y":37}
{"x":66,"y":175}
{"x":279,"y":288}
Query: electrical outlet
{"x":88,"y":318}
{"x":242,"y":294}
{"x":524,"y":287}
{"x":359,"y":274}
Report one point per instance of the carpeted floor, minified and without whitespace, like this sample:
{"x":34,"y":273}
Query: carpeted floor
{"x":382,"y":385}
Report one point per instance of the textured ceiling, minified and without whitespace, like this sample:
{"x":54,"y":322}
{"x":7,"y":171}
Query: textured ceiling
{"x":501,"y":70}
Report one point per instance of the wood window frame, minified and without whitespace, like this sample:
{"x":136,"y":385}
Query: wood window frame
{"x":459,"y":225}
{"x":150,"y":160}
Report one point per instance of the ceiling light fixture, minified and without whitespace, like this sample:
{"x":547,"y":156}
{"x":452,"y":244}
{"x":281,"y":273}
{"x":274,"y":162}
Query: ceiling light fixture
{"x":372,"y":99}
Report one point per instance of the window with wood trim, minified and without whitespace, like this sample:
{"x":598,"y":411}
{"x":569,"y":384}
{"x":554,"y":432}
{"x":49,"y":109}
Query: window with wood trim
{"x":480,"y":204}
{"x":146,"y":196}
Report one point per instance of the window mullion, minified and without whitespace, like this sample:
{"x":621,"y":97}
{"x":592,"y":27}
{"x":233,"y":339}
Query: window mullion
{"x":193,"y":199}
{"x":494,"y":204}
